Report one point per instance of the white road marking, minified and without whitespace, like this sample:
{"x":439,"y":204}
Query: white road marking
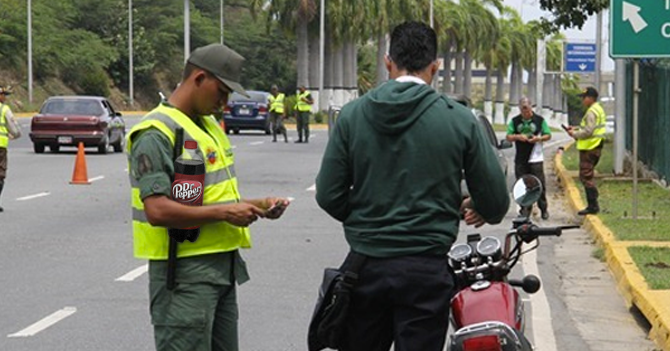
{"x":30,"y":197}
{"x":256,"y":143}
{"x":96,"y":178}
{"x":134,"y":274}
{"x":44,"y":323}
{"x":312,"y":188}
{"x":234,"y":147}
{"x":543,"y":332}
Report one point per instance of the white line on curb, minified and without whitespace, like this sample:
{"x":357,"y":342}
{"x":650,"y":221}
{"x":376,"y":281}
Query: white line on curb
{"x":543,"y":331}
{"x":134,"y":274}
{"x":30,"y":197}
{"x":44,"y":323}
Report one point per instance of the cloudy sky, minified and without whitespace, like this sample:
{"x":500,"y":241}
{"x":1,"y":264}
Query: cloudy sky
{"x":530,"y":10}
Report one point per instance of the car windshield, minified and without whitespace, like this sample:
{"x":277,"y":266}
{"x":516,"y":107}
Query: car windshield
{"x":255,"y":97}
{"x":72,"y":107}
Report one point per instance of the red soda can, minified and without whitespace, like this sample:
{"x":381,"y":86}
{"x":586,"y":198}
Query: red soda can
{"x":188,"y":187}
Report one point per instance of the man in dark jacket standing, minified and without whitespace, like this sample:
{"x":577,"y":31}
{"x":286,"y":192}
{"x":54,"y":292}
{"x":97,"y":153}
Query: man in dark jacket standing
{"x":391,"y":174}
{"x":528,"y":131}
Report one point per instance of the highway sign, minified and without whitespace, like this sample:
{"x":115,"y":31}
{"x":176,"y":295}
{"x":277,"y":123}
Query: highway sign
{"x":580,"y":58}
{"x":639,"y":28}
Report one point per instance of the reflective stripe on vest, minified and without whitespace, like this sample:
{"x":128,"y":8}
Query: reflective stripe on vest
{"x":598,"y":133}
{"x":4,"y":132}
{"x":220,"y":188}
{"x":277,"y":103}
{"x":301,"y":105}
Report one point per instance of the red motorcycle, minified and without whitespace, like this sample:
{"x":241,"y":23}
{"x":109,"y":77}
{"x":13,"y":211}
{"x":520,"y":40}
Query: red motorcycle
{"x":487,"y":311}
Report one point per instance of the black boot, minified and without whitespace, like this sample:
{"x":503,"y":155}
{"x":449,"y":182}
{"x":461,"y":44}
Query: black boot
{"x":592,"y":199}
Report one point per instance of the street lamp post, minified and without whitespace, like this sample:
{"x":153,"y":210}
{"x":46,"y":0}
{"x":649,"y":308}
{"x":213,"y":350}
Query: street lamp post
{"x":322,"y":25}
{"x":30,"y":52}
{"x":431,"y":15}
{"x":130,"y":52}
{"x":187,"y":30}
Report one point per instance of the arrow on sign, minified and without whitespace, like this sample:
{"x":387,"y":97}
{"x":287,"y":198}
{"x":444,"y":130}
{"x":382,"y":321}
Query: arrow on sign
{"x":631,"y":13}
{"x":582,"y":66}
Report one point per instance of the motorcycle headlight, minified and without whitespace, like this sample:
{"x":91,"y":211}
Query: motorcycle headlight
{"x":459,"y":253}
{"x":489,"y":247}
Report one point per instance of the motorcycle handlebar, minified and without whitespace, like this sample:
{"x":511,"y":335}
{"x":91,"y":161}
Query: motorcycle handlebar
{"x":533,"y":230}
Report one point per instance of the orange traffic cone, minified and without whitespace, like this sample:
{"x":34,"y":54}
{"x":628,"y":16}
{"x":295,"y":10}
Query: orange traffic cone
{"x":80,"y":175}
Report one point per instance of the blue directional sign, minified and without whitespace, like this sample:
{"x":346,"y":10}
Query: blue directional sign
{"x":580,"y":58}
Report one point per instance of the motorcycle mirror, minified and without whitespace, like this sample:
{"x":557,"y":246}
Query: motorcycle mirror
{"x":531,"y":284}
{"x":527,"y":190}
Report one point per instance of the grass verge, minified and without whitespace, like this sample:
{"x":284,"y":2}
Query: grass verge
{"x":616,"y":204}
{"x":654,"y":264}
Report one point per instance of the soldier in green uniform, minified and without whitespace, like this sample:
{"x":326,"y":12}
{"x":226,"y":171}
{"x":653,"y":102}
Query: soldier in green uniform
{"x":590,"y":138}
{"x":303,"y":108}
{"x":201,"y":312}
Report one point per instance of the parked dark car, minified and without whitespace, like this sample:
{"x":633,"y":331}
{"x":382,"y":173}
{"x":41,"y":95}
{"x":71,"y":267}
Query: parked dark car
{"x":68,"y":120}
{"x":489,"y":133}
{"x":243,"y":112}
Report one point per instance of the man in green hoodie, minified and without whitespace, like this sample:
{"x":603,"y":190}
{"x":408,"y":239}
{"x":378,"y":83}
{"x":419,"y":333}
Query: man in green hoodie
{"x":391,"y":174}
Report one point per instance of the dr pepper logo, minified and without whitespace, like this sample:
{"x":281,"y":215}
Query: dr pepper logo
{"x":186,"y":190}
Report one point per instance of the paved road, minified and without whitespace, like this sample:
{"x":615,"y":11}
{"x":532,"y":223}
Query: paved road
{"x":70,"y":281}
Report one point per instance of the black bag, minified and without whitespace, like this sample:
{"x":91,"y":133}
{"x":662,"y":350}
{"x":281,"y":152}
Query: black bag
{"x":326,"y":329}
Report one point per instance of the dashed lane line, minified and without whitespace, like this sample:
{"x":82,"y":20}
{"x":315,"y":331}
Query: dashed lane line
{"x":34,"y":196}
{"x":96,"y":178}
{"x":44,"y":323}
{"x":312,"y":188}
{"x":134,"y":274}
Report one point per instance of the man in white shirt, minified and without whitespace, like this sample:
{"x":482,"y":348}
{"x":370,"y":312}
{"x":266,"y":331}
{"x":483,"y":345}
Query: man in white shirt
{"x":9,"y":129}
{"x":528,"y":131}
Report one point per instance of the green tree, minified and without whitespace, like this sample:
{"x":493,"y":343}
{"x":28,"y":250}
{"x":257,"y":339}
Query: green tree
{"x":570,"y":13}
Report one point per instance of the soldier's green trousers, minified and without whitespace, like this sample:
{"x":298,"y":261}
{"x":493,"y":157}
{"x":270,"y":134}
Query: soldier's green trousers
{"x":201,"y":313}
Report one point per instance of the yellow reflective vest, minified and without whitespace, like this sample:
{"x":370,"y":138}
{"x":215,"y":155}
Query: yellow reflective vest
{"x":277,"y":103}
{"x":301,"y":105}
{"x":4,"y":131}
{"x":220,"y":188}
{"x":598,"y":133}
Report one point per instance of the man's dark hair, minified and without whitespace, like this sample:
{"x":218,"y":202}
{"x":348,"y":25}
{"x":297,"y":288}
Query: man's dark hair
{"x":413,"y":46}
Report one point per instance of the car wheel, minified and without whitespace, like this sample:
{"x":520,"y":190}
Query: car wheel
{"x":236,"y":130}
{"x":54,"y":148}
{"x":104,"y":146}
{"x":38,"y":148}
{"x":118,"y":146}
{"x":227,"y":131}
{"x":268,"y":131}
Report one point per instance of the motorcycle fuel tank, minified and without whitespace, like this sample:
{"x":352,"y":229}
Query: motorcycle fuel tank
{"x":498,"y":302}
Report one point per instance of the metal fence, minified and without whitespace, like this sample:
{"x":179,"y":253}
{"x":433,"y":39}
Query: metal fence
{"x":654,"y":115}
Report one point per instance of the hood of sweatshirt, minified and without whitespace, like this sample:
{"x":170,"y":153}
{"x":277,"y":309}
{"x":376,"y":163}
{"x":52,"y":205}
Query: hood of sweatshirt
{"x":395,"y":106}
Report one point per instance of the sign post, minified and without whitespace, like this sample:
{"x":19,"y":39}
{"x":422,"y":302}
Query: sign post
{"x":639,"y":29}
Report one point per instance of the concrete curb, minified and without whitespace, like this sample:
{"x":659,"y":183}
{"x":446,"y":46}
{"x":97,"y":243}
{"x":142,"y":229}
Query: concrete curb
{"x":653,"y":304}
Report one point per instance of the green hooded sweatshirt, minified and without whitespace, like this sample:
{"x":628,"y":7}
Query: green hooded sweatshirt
{"x":392,"y":169}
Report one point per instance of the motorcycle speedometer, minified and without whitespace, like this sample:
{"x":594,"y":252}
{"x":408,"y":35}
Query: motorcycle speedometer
{"x":489,"y":246}
{"x":460,"y":253}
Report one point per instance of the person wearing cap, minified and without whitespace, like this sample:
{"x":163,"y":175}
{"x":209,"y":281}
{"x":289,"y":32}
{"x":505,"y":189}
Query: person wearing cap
{"x":201,"y":312}
{"x":9,"y":129}
{"x":589,"y":137}
{"x":528,"y":131}
{"x":277,"y":113}
{"x":303,"y":108}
